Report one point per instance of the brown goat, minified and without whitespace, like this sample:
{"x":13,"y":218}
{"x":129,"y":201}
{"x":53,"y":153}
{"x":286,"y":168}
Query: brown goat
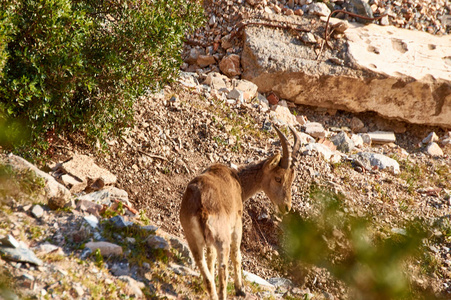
{"x":212,"y":209}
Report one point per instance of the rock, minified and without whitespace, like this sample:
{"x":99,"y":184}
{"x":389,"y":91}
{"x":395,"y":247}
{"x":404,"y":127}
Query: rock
{"x":77,"y":289}
{"x":55,"y":203}
{"x":205,"y":60}
{"x":378,"y":160}
{"x":325,"y":151}
{"x":361,"y":7}
{"x":182,"y":270}
{"x":258,"y":280}
{"x":318,"y":9}
{"x":366,"y":138}
{"x":432,"y":137}
{"x":52,"y":187}
{"x":192,"y":56}
{"x":433,"y":149}
{"x":357,"y":140}
{"x":446,"y":139}
{"x":315,"y":129}
{"x":134,"y":287}
{"x":281,"y":282}
{"x":119,"y":269}
{"x":343,"y":142}
{"x":75,"y":185}
{"x":282,"y":115}
{"x":47,"y":248}
{"x":107,"y":196}
{"x":272,"y":99}
{"x":20,"y":254}
{"x":89,"y":206}
{"x":91,"y":220}
{"x":248,"y":88}
{"x":382,"y":137}
{"x":356,"y":125}
{"x":182,"y":248}
{"x":37,"y":211}
{"x":9,"y":241}
{"x":157,"y":242}
{"x":119,"y":222}
{"x":106,"y":248}
{"x":274,"y":63}
{"x":230,"y":65}
{"x":218,"y":81}
{"x":308,"y":38}
{"x":84,"y":169}
{"x":235,"y":95}
{"x":26,"y":281}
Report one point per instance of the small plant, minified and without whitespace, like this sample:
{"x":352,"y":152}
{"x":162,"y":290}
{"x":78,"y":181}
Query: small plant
{"x":98,"y":258}
{"x":143,"y":217}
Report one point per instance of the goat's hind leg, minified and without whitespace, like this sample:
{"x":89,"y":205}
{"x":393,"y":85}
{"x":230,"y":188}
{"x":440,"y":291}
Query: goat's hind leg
{"x":223,"y":274}
{"x":211,"y":259}
{"x":236,"y":261}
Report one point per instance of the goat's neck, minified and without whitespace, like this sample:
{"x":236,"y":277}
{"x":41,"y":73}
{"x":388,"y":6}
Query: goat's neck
{"x":251,"y":177}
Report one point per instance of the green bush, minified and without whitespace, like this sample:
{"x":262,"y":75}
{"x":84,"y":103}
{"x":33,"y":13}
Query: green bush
{"x":78,"y":65}
{"x":352,"y":250}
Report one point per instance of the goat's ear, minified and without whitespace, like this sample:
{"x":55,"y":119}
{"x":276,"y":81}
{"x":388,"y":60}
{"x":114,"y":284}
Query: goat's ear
{"x":273,"y":161}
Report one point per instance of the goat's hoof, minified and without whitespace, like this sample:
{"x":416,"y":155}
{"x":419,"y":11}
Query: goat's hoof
{"x":240,"y":293}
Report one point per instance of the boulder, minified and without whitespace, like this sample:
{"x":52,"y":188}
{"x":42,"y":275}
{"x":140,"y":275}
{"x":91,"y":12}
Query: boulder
{"x":52,"y":187}
{"x":378,"y":160}
{"x":399,"y":74}
{"x":83,"y":169}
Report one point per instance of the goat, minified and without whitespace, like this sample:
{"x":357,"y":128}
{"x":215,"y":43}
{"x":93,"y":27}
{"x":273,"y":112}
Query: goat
{"x":212,"y":208}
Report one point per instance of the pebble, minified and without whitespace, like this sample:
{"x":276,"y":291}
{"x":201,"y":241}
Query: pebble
{"x":433,"y":149}
{"x":37,"y":211}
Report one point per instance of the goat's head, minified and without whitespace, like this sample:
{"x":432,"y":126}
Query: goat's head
{"x":280,"y":171}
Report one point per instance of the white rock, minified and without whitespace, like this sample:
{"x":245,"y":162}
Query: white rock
{"x":358,"y":140}
{"x":432,"y":137}
{"x":282,"y":114}
{"x":382,"y":137}
{"x":379,"y":160}
{"x":319,"y":9}
{"x":248,"y":88}
{"x":37,"y":211}
{"x":134,"y":287}
{"x":218,"y":81}
{"x":257,"y":279}
{"x":433,"y":149}
{"x":315,"y":129}
{"x":91,"y":220}
{"x":106,"y":248}
{"x":325,"y":151}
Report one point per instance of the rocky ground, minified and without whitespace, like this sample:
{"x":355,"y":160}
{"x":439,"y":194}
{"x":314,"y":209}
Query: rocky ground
{"x":178,"y":133}
{"x":209,"y":118}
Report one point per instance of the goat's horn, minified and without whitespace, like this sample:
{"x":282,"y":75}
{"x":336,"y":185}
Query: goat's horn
{"x":286,"y":155}
{"x":297,"y":142}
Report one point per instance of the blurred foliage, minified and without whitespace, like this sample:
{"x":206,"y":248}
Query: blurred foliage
{"x":348,"y":246}
{"x":78,"y":65}
{"x":21,"y":185}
